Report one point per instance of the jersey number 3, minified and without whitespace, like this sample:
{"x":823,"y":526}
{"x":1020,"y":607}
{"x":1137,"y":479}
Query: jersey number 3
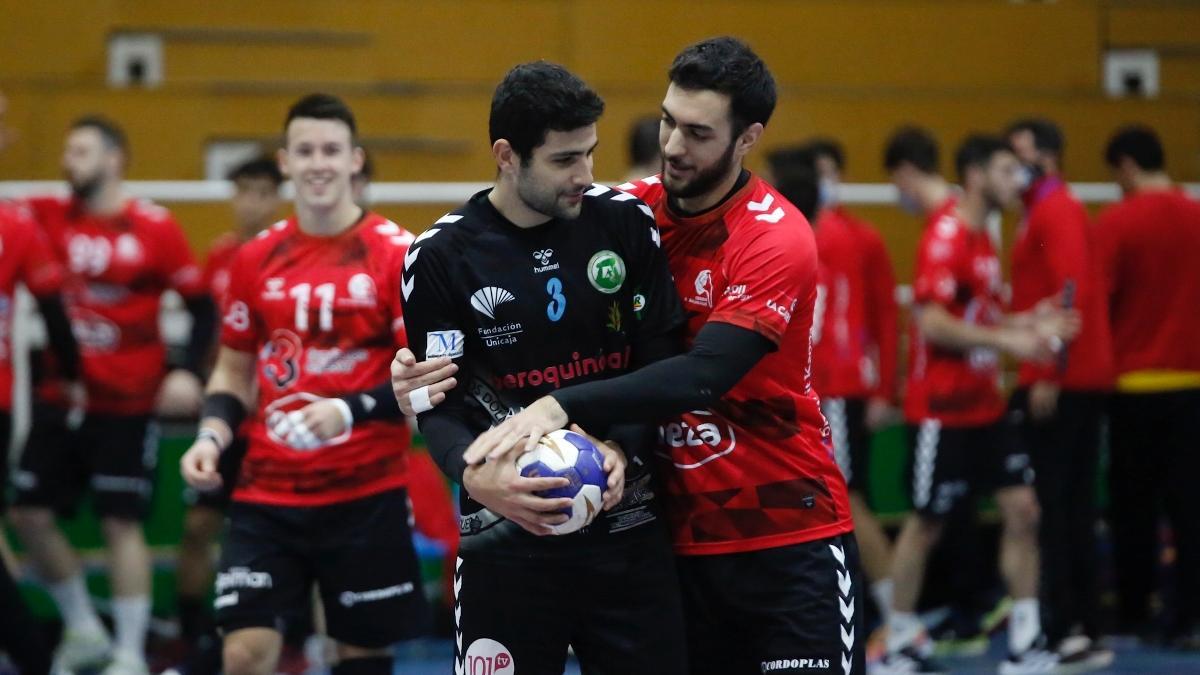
{"x":558,"y":301}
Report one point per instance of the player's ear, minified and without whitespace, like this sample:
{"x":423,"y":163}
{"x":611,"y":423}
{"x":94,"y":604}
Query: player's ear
{"x":281,"y":159}
{"x":749,"y":138}
{"x":506,"y":158}
{"x":116,"y":161}
{"x":358,"y":158}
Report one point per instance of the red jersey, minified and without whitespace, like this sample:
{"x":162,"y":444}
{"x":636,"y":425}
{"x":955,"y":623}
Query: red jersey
{"x":1053,"y":245}
{"x":218,"y":266}
{"x":755,"y":470}
{"x":323,"y":316}
{"x":25,"y":257}
{"x":956,"y":268}
{"x":855,"y":325}
{"x":1149,"y":258}
{"x":117,"y":270}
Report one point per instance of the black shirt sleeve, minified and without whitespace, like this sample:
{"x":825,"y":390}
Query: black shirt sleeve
{"x":59,"y":335}
{"x":721,"y":355}
{"x":435,"y":330}
{"x":203,"y":333}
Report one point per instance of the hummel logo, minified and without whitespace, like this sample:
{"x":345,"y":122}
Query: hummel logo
{"x":543,"y":256}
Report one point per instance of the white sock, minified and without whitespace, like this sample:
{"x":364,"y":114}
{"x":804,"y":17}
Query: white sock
{"x":75,"y":605}
{"x":131,"y":616}
{"x":882,"y":591}
{"x":903,"y":630}
{"x":1024,"y":625}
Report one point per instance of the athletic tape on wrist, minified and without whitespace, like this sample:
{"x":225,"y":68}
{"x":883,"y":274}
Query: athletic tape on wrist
{"x":212,"y":436}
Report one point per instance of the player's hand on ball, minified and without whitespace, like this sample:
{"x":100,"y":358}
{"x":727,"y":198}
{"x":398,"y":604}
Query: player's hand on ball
{"x":181,"y":394}
{"x":614,"y":466}
{"x":502,"y":489}
{"x":199,"y":465}
{"x":540,"y":417}
{"x":421,"y":385}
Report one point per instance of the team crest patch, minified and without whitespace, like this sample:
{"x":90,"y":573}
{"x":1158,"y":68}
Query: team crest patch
{"x":606,"y":271}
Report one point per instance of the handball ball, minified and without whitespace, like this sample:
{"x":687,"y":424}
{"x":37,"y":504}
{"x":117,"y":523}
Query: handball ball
{"x":569,"y":455}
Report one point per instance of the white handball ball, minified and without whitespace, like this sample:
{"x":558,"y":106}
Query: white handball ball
{"x":569,"y":455}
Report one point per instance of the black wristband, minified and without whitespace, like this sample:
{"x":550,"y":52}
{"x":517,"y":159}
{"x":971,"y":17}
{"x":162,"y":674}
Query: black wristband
{"x":374,"y":404}
{"x":225,"y":407}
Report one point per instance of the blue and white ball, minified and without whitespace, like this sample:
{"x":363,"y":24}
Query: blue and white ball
{"x":569,"y":455}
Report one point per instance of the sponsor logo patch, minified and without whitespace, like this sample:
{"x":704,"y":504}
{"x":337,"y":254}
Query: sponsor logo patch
{"x":444,"y":343}
{"x":485,"y":656}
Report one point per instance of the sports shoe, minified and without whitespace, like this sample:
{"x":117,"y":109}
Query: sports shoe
{"x":907,"y":660}
{"x":81,"y":649}
{"x":126,"y":663}
{"x":1036,"y":659}
{"x":1079,"y":654}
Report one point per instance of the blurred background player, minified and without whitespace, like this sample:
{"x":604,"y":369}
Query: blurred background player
{"x":312,"y":318}
{"x":645,"y":159}
{"x":962,"y":443}
{"x":255,"y":206}
{"x":26,"y":258}
{"x":121,"y":254}
{"x":911,"y":161}
{"x":1062,"y":403}
{"x":1149,"y":247}
{"x":854,"y":353}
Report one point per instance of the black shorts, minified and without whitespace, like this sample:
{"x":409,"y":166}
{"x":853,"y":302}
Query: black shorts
{"x":5,"y":443}
{"x":229,"y":466}
{"x":851,"y":439}
{"x":114,"y":455}
{"x":619,"y":610}
{"x":950,"y":466}
{"x":790,"y":609}
{"x":359,"y":553}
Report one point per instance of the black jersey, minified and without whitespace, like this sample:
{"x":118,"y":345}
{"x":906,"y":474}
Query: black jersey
{"x":527,"y":311}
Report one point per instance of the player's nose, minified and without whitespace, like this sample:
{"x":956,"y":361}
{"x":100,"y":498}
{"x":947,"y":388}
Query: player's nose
{"x":674,"y":145}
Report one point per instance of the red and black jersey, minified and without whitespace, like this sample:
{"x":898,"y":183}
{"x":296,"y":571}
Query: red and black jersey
{"x":25,"y":257}
{"x":117,"y":270}
{"x":322,"y":314}
{"x":217,"y":267}
{"x":1053,"y":248}
{"x":956,"y":268}
{"x":854,"y":330}
{"x":755,"y":470}
{"x":1149,"y":258}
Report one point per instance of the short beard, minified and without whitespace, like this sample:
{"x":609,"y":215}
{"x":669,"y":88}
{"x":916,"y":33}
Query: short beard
{"x":85,"y":190}
{"x":705,"y":180}
{"x":544,"y":203}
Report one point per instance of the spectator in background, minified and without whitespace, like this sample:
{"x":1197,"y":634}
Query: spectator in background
{"x":1060,"y":405}
{"x":855,"y":334}
{"x":645,"y":159}
{"x":255,"y":205}
{"x":1148,"y":247}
